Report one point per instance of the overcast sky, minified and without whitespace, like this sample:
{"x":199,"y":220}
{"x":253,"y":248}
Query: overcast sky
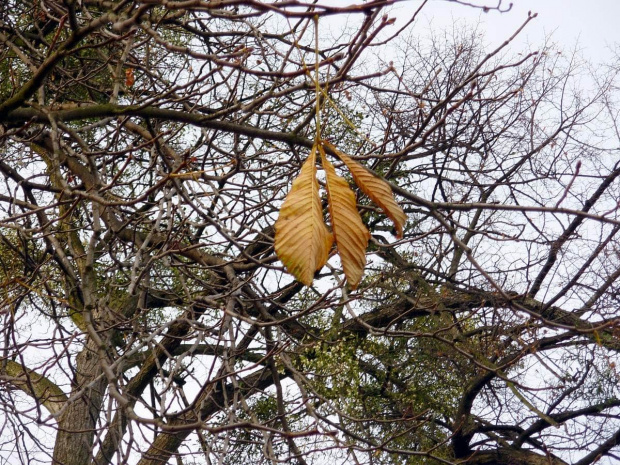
{"x":593,"y":25}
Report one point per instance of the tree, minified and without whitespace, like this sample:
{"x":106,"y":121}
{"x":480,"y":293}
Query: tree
{"x":147,"y":147}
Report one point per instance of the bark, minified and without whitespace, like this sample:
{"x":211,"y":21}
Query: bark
{"x":76,"y":426}
{"x":508,"y":456}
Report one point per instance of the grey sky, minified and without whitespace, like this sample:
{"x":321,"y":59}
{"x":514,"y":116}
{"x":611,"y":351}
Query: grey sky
{"x":593,"y":25}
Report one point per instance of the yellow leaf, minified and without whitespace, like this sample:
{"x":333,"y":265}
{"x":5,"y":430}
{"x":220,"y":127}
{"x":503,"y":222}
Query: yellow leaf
{"x":376,"y":188}
{"x":302,"y":240}
{"x":349,"y":232}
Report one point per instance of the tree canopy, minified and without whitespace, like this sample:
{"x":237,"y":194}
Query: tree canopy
{"x":455,"y":208}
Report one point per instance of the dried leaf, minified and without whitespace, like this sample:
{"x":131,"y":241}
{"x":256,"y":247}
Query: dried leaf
{"x":349,"y":232}
{"x":376,"y":188}
{"x":302,"y":241}
{"x":129,"y":77}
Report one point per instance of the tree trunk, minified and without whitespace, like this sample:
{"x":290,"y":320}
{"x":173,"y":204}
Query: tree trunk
{"x":76,"y":426}
{"x":507,"y":456}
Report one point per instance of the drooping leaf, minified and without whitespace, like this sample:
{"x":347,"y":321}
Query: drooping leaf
{"x":302,"y":240}
{"x":129,"y":77}
{"x":349,"y":232}
{"x":376,"y":188}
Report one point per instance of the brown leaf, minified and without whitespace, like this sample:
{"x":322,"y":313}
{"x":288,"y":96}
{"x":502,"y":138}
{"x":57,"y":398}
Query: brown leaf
{"x":302,"y":241}
{"x":349,"y":232}
{"x":129,"y":77}
{"x":376,"y":188}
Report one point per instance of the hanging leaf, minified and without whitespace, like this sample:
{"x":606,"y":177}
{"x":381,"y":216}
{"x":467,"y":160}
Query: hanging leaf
{"x":302,"y":240}
{"x":349,"y":232}
{"x":376,"y":188}
{"x":129,"y":77}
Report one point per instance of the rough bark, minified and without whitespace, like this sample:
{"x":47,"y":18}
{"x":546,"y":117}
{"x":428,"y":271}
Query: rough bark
{"x":512,"y":457}
{"x":76,"y":426}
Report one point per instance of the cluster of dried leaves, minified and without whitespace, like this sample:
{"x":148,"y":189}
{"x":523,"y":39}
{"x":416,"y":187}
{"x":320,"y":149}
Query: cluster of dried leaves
{"x":303,"y":241}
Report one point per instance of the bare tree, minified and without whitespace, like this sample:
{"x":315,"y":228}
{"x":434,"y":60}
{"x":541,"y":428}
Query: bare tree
{"x":147,"y":147}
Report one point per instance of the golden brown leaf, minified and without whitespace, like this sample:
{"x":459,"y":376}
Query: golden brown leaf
{"x":129,"y":77}
{"x":302,"y":240}
{"x":349,"y":232}
{"x":376,"y":188}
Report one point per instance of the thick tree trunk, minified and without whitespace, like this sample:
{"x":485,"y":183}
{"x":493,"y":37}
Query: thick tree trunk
{"x":76,"y":426}
{"x":509,"y":456}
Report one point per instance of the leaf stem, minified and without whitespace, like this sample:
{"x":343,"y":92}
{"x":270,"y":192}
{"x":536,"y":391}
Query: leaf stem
{"x":316,"y":78}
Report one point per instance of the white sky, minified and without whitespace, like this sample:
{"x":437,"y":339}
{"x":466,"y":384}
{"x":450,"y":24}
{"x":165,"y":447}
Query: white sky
{"x":592,"y":25}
